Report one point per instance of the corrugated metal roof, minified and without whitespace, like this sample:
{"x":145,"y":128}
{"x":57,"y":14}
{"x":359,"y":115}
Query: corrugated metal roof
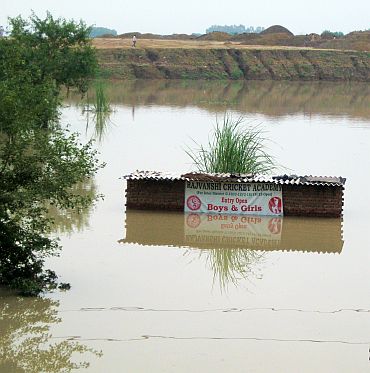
{"x":238,"y":178}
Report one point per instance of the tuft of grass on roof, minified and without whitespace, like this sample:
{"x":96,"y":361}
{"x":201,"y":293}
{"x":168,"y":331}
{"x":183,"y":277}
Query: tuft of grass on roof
{"x":233,"y":148}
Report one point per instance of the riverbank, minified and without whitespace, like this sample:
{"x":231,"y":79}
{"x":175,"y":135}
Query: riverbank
{"x":230,"y":61}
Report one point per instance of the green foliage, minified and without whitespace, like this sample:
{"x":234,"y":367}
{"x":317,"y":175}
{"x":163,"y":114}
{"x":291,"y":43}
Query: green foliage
{"x":234,"y":29}
{"x":61,"y":49}
{"x":37,"y":167}
{"x":95,"y":32}
{"x":236,"y":74}
{"x":69,"y":221}
{"x":233,"y":149}
{"x":101,"y":109}
{"x":332,"y":34}
{"x":39,"y":162}
{"x":101,"y":103}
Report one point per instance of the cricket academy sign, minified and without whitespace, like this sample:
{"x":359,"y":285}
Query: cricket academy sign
{"x":233,"y":198}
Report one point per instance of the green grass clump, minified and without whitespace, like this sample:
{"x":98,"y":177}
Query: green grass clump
{"x":101,"y":103}
{"x":233,"y":148}
{"x":100,"y":108}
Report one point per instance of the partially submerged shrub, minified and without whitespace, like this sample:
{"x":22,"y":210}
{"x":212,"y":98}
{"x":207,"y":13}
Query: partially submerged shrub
{"x":101,"y":104}
{"x":101,"y":109}
{"x":233,"y":148}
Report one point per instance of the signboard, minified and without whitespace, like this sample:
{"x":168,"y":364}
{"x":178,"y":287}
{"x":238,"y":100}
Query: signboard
{"x":233,"y":230}
{"x":233,"y":198}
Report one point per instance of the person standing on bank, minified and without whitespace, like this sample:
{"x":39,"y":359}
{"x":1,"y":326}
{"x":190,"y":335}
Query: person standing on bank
{"x":134,"y":41}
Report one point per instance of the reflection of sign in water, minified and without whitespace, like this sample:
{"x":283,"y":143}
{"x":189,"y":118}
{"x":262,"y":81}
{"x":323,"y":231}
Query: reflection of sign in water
{"x":193,"y":220}
{"x":233,"y":230}
{"x":234,"y":198}
{"x":274,"y":225}
{"x":211,"y":231}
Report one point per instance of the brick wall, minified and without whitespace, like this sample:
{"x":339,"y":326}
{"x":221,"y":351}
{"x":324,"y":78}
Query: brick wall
{"x":312,"y":200}
{"x":155,"y":195}
{"x":298,"y":200}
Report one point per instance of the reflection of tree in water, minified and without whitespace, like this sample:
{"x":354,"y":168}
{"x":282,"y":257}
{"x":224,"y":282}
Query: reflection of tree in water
{"x":230,"y":266}
{"x":25,"y":338}
{"x":73,"y":220}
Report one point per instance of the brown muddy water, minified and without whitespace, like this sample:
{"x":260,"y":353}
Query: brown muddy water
{"x":162,"y":292}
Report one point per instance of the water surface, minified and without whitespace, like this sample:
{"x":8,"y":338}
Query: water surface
{"x":157,"y":292}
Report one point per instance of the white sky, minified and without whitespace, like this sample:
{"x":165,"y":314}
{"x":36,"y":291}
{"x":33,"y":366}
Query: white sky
{"x":187,"y":16}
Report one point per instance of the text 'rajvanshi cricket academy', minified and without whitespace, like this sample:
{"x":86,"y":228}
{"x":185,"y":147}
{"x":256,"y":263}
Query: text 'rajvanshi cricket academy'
{"x":234,"y":198}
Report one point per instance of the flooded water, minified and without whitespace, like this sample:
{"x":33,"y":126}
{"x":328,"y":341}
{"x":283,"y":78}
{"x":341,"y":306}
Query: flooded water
{"x":165,"y":292}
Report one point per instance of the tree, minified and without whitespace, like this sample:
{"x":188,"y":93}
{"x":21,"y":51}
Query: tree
{"x":332,"y":34}
{"x":234,"y":29}
{"x":40,"y":162}
{"x":102,"y":31}
{"x":38,"y":59}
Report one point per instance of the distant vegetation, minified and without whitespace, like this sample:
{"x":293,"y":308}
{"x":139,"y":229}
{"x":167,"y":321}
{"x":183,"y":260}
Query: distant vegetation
{"x":234,"y":29}
{"x":100,"y":31}
{"x":331,"y":34}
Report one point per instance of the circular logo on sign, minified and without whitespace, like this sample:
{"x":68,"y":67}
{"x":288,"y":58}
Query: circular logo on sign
{"x":194,"y":203}
{"x":275,"y":205}
{"x":193,"y":220}
{"x":275,"y":225}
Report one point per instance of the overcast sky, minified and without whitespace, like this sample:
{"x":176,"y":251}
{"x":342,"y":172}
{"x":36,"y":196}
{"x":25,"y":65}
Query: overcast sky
{"x":187,"y":16}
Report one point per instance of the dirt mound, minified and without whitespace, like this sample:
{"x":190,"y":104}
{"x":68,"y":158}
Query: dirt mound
{"x":215,"y":36}
{"x":148,"y":35}
{"x":359,"y":40}
{"x":129,"y":35}
{"x":356,"y":40}
{"x":268,"y":39}
{"x":359,"y":34}
{"x":179,"y":37}
{"x":246,"y":37}
{"x":106,"y":36}
{"x":276,"y":29}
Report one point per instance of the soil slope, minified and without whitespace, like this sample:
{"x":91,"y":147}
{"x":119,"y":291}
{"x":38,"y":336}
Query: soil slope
{"x":234,"y":63}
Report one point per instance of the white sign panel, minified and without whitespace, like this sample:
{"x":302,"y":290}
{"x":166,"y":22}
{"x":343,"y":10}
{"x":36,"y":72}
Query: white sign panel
{"x":233,"y":198}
